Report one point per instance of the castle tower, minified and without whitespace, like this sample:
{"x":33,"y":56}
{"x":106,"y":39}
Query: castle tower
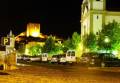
{"x":33,"y":29}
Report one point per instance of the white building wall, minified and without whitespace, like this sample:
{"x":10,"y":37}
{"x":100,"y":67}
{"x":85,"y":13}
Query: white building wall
{"x":98,"y":5}
{"x":97,"y":22}
{"x":86,"y":26}
{"x":110,"y":18}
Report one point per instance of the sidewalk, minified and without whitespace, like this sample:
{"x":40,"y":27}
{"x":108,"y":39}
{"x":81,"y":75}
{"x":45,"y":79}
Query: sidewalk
{"x":112,"y":69}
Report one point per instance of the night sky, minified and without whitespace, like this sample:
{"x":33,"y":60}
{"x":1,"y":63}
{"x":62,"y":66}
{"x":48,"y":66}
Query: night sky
{"x":58,"y":17}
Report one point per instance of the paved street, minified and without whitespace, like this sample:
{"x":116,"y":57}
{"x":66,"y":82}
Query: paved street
{"x":54,"y":73}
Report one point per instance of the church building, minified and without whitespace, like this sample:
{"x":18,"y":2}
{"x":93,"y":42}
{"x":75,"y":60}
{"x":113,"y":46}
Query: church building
{"x":94,"y":16}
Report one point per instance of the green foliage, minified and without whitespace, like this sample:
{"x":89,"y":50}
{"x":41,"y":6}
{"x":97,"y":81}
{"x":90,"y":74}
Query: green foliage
{"x":67,"y":45}
{"x":51,"y":46}
{"x":102,"y":45}
{"x":72,"y":43}
{"x":35,"y":50}
{"x":75,"y":40}
{"x":90,"y":42}
{"x":112,"y":31}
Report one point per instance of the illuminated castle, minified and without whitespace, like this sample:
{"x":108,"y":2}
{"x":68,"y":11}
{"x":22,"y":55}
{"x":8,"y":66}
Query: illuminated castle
{"x":33,"y":29}
{"x":31,"y":37}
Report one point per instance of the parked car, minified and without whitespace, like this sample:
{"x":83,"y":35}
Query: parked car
{"x":34,"y":58}
{"x":108,"y":59}
{"x":25,"y":58}
{"x":44,"y":57}
{"x":62,"y":58}
{"x":55,"y":59}
{"x":100,"y":59}
{"x":86,"y":57}
{"x":70,"y":56}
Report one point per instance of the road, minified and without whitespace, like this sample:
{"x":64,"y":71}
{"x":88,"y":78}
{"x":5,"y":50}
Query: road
{"x":54,"y":73}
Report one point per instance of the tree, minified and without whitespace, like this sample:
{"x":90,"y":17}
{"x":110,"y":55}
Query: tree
{"x":67,"y":45}
{"x":90,"y":42}
{"x":75,"y":40}
{"x":72,"y":43}
{"x":51,"y":46}
{"x":110,"y":31}
{"x":35,"y":50}
{"x":104,"y":42}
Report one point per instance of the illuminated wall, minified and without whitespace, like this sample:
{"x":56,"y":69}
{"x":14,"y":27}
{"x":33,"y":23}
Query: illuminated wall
{"x":98,"y":5}
{"x":30,"y":44}
{"x":97,"y":23}
{"x":94,"y":16}
{"x":110,"y":18}
{"x":86,"y":25}
{"x":33,"y":29}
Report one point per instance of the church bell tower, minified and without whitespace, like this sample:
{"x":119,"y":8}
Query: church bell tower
{"x":92,"y":16}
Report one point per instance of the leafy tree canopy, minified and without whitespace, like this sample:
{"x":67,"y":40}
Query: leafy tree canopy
{"x":51,"y":46}
{"x":90,"y":41}
{"x":35,"y":50}
{"x":112,"y":32}
{"x":72,"y":43}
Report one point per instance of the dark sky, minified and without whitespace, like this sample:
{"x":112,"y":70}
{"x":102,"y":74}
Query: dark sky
{"x":59,"y":17}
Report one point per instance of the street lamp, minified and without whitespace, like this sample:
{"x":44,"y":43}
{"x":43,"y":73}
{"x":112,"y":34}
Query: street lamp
{"x":106,"y":40}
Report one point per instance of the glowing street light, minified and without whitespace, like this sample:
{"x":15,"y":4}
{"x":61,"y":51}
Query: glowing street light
{"x":106,"y":40}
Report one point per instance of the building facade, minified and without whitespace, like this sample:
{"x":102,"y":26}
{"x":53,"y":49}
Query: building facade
{"x":94,"y":16}
{"x":33,"y":29}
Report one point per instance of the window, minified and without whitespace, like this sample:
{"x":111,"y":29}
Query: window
{"x":97,"y":16}
{"x":97,"y":33}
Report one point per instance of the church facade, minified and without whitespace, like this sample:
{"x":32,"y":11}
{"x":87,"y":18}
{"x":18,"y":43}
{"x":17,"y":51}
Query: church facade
{"x":94,"y":16}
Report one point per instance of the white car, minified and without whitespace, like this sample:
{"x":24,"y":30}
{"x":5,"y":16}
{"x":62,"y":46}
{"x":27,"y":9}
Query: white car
{"x":44,"y":57}
{"x":70,"y":56}
{"x":62,"y":58}
{"x":34,"y":58}
{"x":54,"y":59}
{"x":25,"y":58}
